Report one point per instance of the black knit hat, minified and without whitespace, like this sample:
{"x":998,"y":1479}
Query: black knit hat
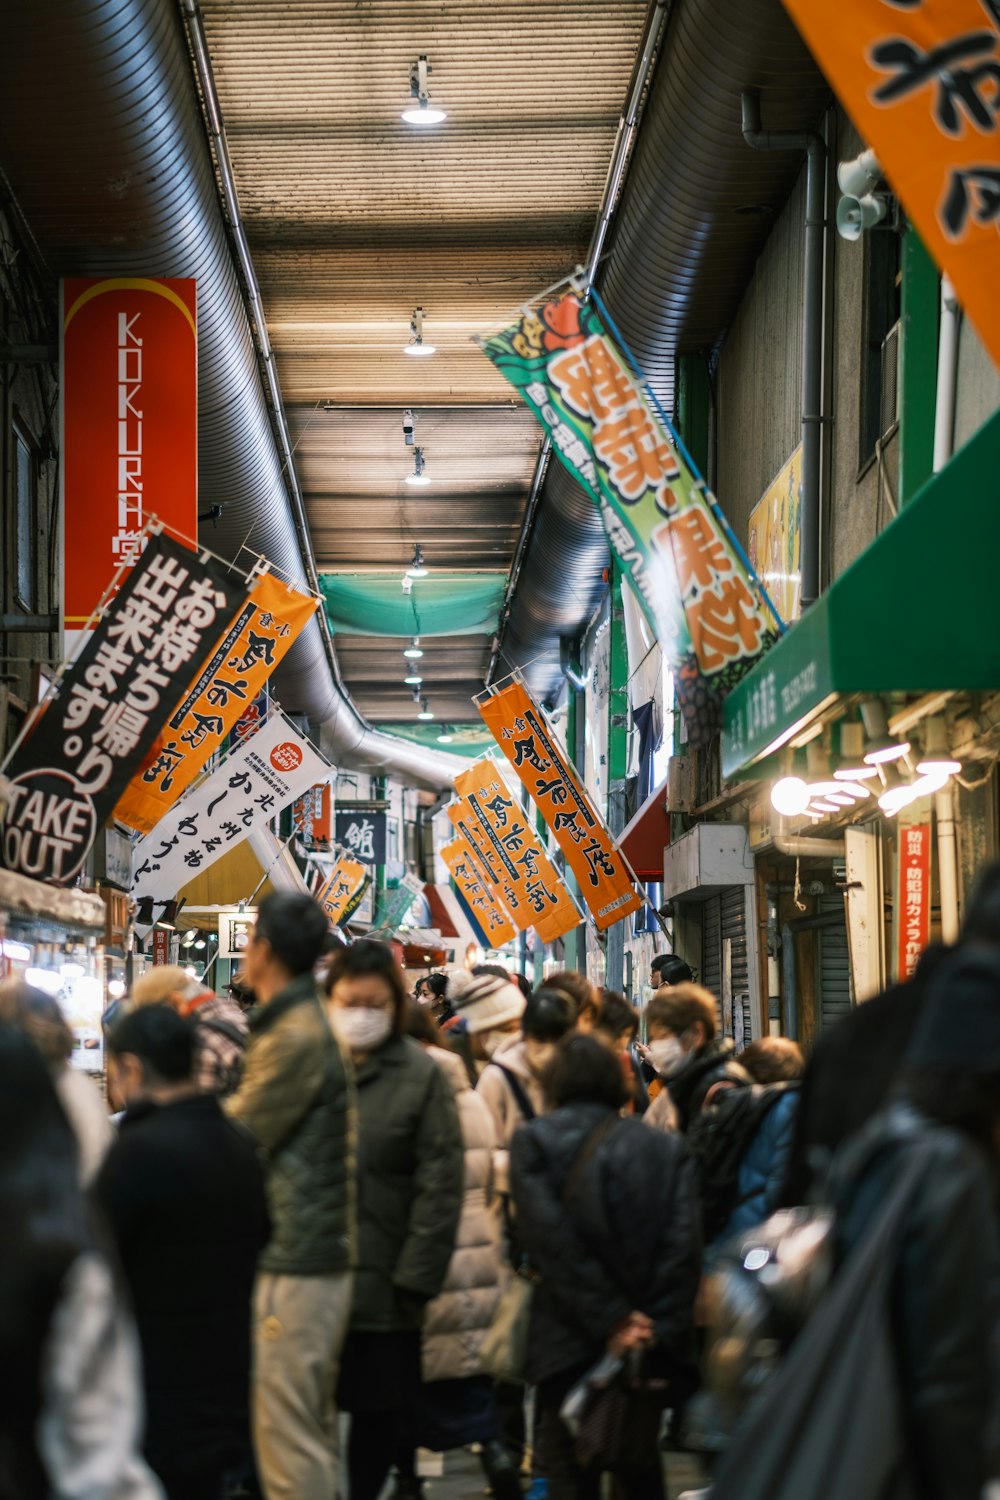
{"x":959,"y":1025}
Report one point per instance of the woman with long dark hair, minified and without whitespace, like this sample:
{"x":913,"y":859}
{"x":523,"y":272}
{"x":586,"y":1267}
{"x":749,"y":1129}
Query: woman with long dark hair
{"x":69,"y":1366}
{"x":410,"y":1181}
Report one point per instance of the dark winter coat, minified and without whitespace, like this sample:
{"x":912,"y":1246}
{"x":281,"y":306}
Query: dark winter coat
{"x":701,"y":1071}
{"x":946,"y":1294}
{"x":762,"y":1170}
{"x":297,"y":1099}
{"x":183,"y":1191}
{"x":849,"y":1075}
{"x":410,"y":1186}
{"x":627,"y":1239}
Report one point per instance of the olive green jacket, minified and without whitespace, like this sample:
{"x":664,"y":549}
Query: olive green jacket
{"x":297,"y":1097}
{"x":410,"y":1182}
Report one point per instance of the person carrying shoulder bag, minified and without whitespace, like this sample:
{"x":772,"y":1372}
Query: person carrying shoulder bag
{"x":617,"y":1264}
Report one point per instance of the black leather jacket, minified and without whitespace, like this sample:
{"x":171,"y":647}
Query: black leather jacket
{"x":946,"y":1292}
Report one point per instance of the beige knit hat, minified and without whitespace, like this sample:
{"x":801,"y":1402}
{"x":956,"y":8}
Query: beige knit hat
{"x":484,"y":1001}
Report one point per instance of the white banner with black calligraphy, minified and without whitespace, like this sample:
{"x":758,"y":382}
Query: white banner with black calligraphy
{"x":246,"y":792}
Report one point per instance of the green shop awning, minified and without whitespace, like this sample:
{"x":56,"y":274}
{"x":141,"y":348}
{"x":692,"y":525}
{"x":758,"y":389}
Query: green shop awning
{"x":471,"y":740}
{"x":917,"y":612}
{"x":441,"y":604}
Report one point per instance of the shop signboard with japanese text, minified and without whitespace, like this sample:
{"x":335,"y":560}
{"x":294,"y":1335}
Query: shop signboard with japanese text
{"x":362,"y":834}
{"x":773,"y":541}
{"x":93,"y":732}
{"x":312,"y":816}
{"x":270,"y":620}
{"x":235,"y":928}
{"x":913,"y":895}
{"x":517,"y":849}
{"x":129,"y":425}
{"x":246,"y":791}
{"x":523,"y":734}
{"x":488,"y":867}
{"x":342,"y":892}
{"x":494,"y":923}
{"x":921,"y":81}
{"x":706,"y":610}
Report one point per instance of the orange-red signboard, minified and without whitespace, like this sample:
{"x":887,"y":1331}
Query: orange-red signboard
{"x":913,"y":896}
{"x":494,"y":922}
{"x":343,"y":889}
{"x":518,"y":849}
{"x":254,"y":641}
{"x":129,"y":425}
{"x":921,"y":81}
{"x":521,"y":731}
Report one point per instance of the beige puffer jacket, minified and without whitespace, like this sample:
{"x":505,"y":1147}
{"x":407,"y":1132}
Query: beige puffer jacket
{"x":456,"y":1321}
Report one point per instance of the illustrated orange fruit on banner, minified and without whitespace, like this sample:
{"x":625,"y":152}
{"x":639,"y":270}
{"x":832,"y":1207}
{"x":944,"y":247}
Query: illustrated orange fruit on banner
{"x":524,"y":736}
{"x":920,"y":82}
{"x":251,"y":646}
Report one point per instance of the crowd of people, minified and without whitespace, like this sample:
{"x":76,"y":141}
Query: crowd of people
{"x":486,"y":1216}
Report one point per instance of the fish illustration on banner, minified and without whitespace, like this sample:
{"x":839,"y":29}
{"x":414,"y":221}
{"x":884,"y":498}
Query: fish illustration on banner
{"x":342,"y":892}
{"x":494,"y":923}
{"x":518,"y":850}
{"x":270,"y":621}
{"x":237,"y":799}
{"x":708,"y":611}
{"x":104,"y":712}
{"x":525,"y":737}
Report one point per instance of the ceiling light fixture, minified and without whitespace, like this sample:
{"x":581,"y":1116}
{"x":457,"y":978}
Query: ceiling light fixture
{"x":416,"y":347}
{"x":882,"y":748}
{"x":413,"y":678}
{"x":937,"y":756}
{"x":422,"y":112}
{"x":425,"y":712}
{"x":144,"y":914}
{"x":445,"y":739}
{"x":414,"y":652}
{"x":169,"y":916}
{"x":418,"y":476}
{"x":417,"y":568}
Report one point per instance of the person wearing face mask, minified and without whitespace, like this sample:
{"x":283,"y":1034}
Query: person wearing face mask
{"x":410,"y":1185}
{"x":689,"y":1058}
{"x":488,"y":1008}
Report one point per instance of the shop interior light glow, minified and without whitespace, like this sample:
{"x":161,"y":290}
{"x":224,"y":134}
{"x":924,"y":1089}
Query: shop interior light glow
{"x":18,"y":953}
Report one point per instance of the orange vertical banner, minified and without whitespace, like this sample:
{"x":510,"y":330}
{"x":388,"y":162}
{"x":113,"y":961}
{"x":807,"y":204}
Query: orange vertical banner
{"x":496,"y":925}
{"x":518,"y":850}
{"x":921,"y":81}
{"x":244,"y":656}
{"x":490,"y":868}
{"x":343,"y":889}
{"x":523,"y":734}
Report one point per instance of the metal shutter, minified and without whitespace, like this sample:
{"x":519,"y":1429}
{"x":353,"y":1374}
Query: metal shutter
{"x":711,"y":949}
{"x":734,"y":927}
{"x":834,"y":961}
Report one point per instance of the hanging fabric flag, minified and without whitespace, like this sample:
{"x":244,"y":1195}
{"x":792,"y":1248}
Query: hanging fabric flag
{"x":394,"y":903}
{"x":921,"y":81}
{"x":344,"y":890}
{"x":270,"y":621}
{"x":496,"y":926}
{"x":525,"y":737}
{"x":518,"y":849}
{"x":104,"y":711}
{"x":695,"y":585}
{"x":241,"y":796}
{"x":490,"y":869}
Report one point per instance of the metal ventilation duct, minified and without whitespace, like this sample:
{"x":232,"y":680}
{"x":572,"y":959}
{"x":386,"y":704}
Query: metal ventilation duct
{"x":102,"y":142}
{"x":694,"y":213}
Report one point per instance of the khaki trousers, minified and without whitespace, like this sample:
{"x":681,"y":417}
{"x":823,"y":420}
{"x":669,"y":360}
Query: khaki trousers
{"x":300,"y":1323}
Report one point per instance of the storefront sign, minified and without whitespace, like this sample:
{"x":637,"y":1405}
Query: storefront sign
{"x":362,"y":834}
{"x":235,"y":928}
{"x":913,"y":896}
{"x":526,"y":868}
{"x":244,"y":794}
{"x":130,"y":425}
{"x":269,"y":622}
{"x":523,"y":734}
{"x":495,"y":924}
{"x":91,"y":737}
{"x":921,"y":81}
{"x":161,"y":945}
{"x":343,"y":891}
{"x":773,"y":543}
{"x":312,"y":816}
{"x":699,"y":599}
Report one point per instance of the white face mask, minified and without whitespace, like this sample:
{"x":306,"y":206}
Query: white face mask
{"x":490,"y":1041}
{"x":666,"y":1054}
{"x":362,"y":1028}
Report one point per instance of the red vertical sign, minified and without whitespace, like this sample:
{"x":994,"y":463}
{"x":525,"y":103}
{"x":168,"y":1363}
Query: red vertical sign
{"x":130,"y":425}
{"x":913,"y":896}
{"x":161,"y":945}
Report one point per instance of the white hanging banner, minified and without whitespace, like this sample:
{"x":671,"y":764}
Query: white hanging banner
{"x":254,"y":784}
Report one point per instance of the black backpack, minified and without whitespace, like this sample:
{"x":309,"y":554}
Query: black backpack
{"x":718,"y":1139}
